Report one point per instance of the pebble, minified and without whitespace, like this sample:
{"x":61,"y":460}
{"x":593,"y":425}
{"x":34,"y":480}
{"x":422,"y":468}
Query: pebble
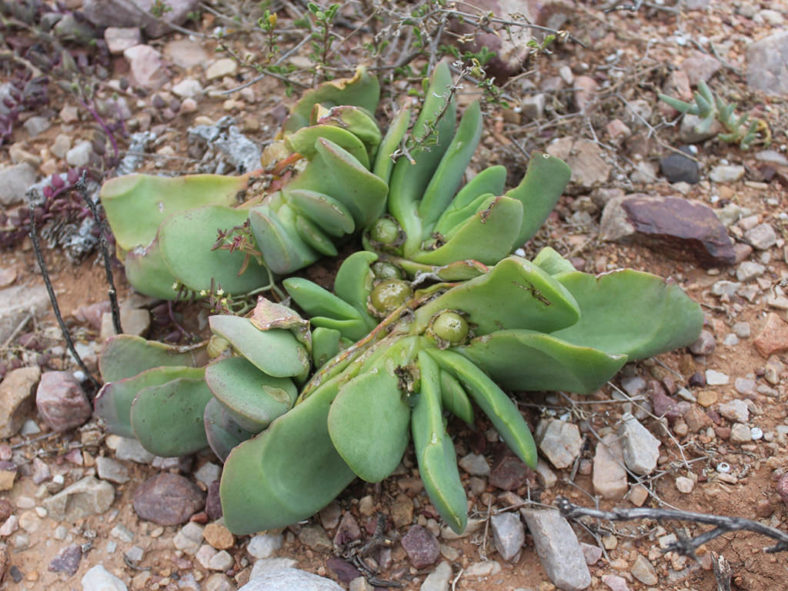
{"x":401,"y":510}
{"x":218,"y":582}
{"x":509,"y":473}
{"x":133,"y":321}
{"x":264,"y":545}
{"x":782,"y":488}
{"x":315,"y":538}
{"x":14,"y":182}
{"x":131,"y":449}
{"x":533,"y":106}
{"x":508,"y":534}
{"x":290,"y":579}
{"x":360,"y":584}
{"x":67,"y":561}
{"x":766,"y":64}
{"x":218,"y":536}
{"x":559,"y":551}
{"x":17,"y":398}
{"x":119,"y":39}
{"x":741,"y":329}
{"x":609,"y":476}
{"x":640,"y":447}
{"x":585,"y":159}
{"x":644,"y":571}
{"x":269,"y":565}
{"x":221,"y":561}
{"x":168,"y":499}
{"x":726,"y":173}
{"x":189,"y":538}
{"x":205,"y":554}
{"x":438,"y":580}
{"x":773,"y":337}
{"x":122,"y":532}
{"x":146,"y":65}
{"x":475,"y":464}
{"x":134,"y":554}
{"x":740,"y":433}
{"x":37,"y":125}
{"x":735,"y":411}
{"x":545,"y":475}
{"x":208,"y":472}
{"x":61,"y":401}
{"x":421,"y":547}
{"x":749,"y":270}
{"x":221,"y":68}
{"x":85,"y":497}
{"x":716,"y":378}
{"x":484,"y":568}
{"x":707,"y":397}
{"x":615,"y":583}
{"x":80,"y":154}
{"x":99,"y":578}
{"x":185,"y":53}
{"x":744,"y":386}
{"x":677,"y":168}
{"x":591,"y":553}
{"x":559,"y":441}
{"x":761,"y":237}
{"x":112,"y":470}
{"x":187,"y":88}
{"x":704,"y":344}
{"x":685,"y":485}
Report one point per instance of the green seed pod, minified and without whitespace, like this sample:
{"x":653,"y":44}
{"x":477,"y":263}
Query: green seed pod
{"x":383,"y":270}
{"x":216,"y":346}
{"x":388,"y":295}
{"x":450,"y":327}
{"x":385,"y":231}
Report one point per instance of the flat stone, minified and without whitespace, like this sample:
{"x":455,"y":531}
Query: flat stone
{"x":508,"y":534}
{"x":767,"y":64}
{"x":748,"y":270}
{"x":773,"y":337}
{"x":740,"y":433}
{"x":716,"y":378}
{"x":217,"y":582}
{"x":17,"y":399}
{"x":119,"y":39}
{"x":693,"y":130}
{"x":168,"y":499}
{"x":187,"y":88}
{"x":61,"y":401}
{"x":559,"y":441}
{"x":189,"y":538}
{"x":112,"y":470}
{"x":342,"y":569}
{"x":269,"y":565}
{"x":640,"y":447}
{"x":185,"y":53}
{"x":421,"y":546}
{"x":218,"y":536}
{"x":726,"y":173}
{"x":67,"y":561}
{"x":85,"y":497}
{"x":761,"y":237}
{"x":558,"y":549}
{"x":289,"y":579}
{"x":484,"y":568}
{"x":221,"y":561}
{"x":36,"y":125}
{"x":676,"y":226}
{"x":545,"y":475}
{"x":348,"y":530}
{"x":532,"y":106}
{"x":609,"y":476}
{"x":99,"y":578}
{"x":264,"y":545}
{"x":79,"y":155}
{"x":14,"y":182}
{"x":220,"y":68}
{"x":132,"y":450}
{"x":615,"y":583}
{"x":315,"y":538}
{"x":677,"y":168}
{"x":146,"y":65}
{"x":475,"y":464}
{"x":644,"y":571}
{"x":592,"y":553}
{"x":438,"y":580}
{"x":208,"y":472}
{"x":735,"y":410}
{"x":509,"y":473}
{"x":585,"y":159}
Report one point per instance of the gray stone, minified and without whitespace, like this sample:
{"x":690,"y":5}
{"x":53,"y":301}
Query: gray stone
{"x":79,"y":155}
{"x":37,"y":125}
{"x":609,"y":476}
{"x":61,"y":145}
{"x":678,"y":168}
{"x":475,"y":464}
{"x":289,"y":579}
{"x":189,"y":538}
{"x":168,"y":499}
{"x":123,"y":533}
{"x":508,"y":534}
{"x":634,"y":386}
{"x":675,"y":226}
{"x":134,"y":554}
{"x":315,"y":538}
{"x":85,"y":497}
{"x":61,"y":401}
{"x":146,"y":65}
{"x":218,"y":582}
{"x":484,"y":568}
{"x":726,"y":173}
{"x":749,"y":270}
{"x":99,"y":578}
{"x":220,"y":68}
{"x":14,"y":181}
{"x":421,"y":546}
{"x":640,"y":447}
{"x":132,"y":450}
{"x":716,"y":378}
{"x":264,"y":545}
{"x":187,"y":88}
{"x":585,"y":159}
{"x":558,"y":549}
{"x":221,"y":561}
{"x":67,"y":561}
{"x":735,"y":410}
{"x":16,"y":398}
{"x":559,"y":441}
{"x":704,"y":344}
{"x":767,"y":64}
{"x":438,"y":580}
{"x":740,"y":433}
{"x":137,"y":13}
{"x":112,"y":470}
{"x":644,"y":571}
{"x":545,"y":475}
{"x":185,"y":53}
{"x":615,"y":583}
{"x":119,"y":39}
{"x":744,"y":386}
{"x":208,"y":472}
{"x":761,"y":237}
{"x":270,"y":565}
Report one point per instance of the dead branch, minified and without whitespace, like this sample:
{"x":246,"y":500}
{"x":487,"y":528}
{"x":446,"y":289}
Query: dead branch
{"x":687,"y":546}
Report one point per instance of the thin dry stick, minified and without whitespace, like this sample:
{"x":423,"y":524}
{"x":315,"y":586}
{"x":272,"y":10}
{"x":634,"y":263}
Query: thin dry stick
{"x":53,"y":300}
{"x":686,"y":547}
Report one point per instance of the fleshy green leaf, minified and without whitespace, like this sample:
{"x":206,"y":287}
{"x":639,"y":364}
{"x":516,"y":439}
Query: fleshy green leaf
{"x":124,"y":356}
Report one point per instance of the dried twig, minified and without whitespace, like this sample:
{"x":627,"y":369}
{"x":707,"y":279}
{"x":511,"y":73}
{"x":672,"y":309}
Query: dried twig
{"x":688,"y":546}
{"x":722,"y":572}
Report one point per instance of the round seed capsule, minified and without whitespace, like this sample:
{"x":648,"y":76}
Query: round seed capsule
{"x":389,"y":294}
{"x":384,"y":231}
{"x":450,"y":327}
{"x":384,"y":270}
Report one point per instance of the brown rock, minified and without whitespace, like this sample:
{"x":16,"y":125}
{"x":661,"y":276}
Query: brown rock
{"x":672,"y":224}
{"x":347,"y":530}
{"x":421,"y":546}
{"x":585,"y":88}
{"x":168,"y":499}
{"x":696,"y":419}
{"x":773,"y":338}
{"x":509,"y":473}
{"x":16,"y":399}
{"x":218,"y":536}
{"x":782,"y":488}
{"x":61,"y":401}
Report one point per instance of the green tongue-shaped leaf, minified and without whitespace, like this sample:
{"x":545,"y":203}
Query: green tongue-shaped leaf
{"x":530,"y":360}
{"x":113,"y":402}
{"x":253,"y":397}
{"x":630,"y":313}
{"x":186,"y":240}
{"x":368,"y":423}
{"x":287,"y":473}
{"x":303,"y":142}
{"x":221,"y":430}
{"x":149,"y":274}
{"x":124,"y":356}
{"x":513,"y":294}
{"x":168,"y":419}
{"x":276,"y":352}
